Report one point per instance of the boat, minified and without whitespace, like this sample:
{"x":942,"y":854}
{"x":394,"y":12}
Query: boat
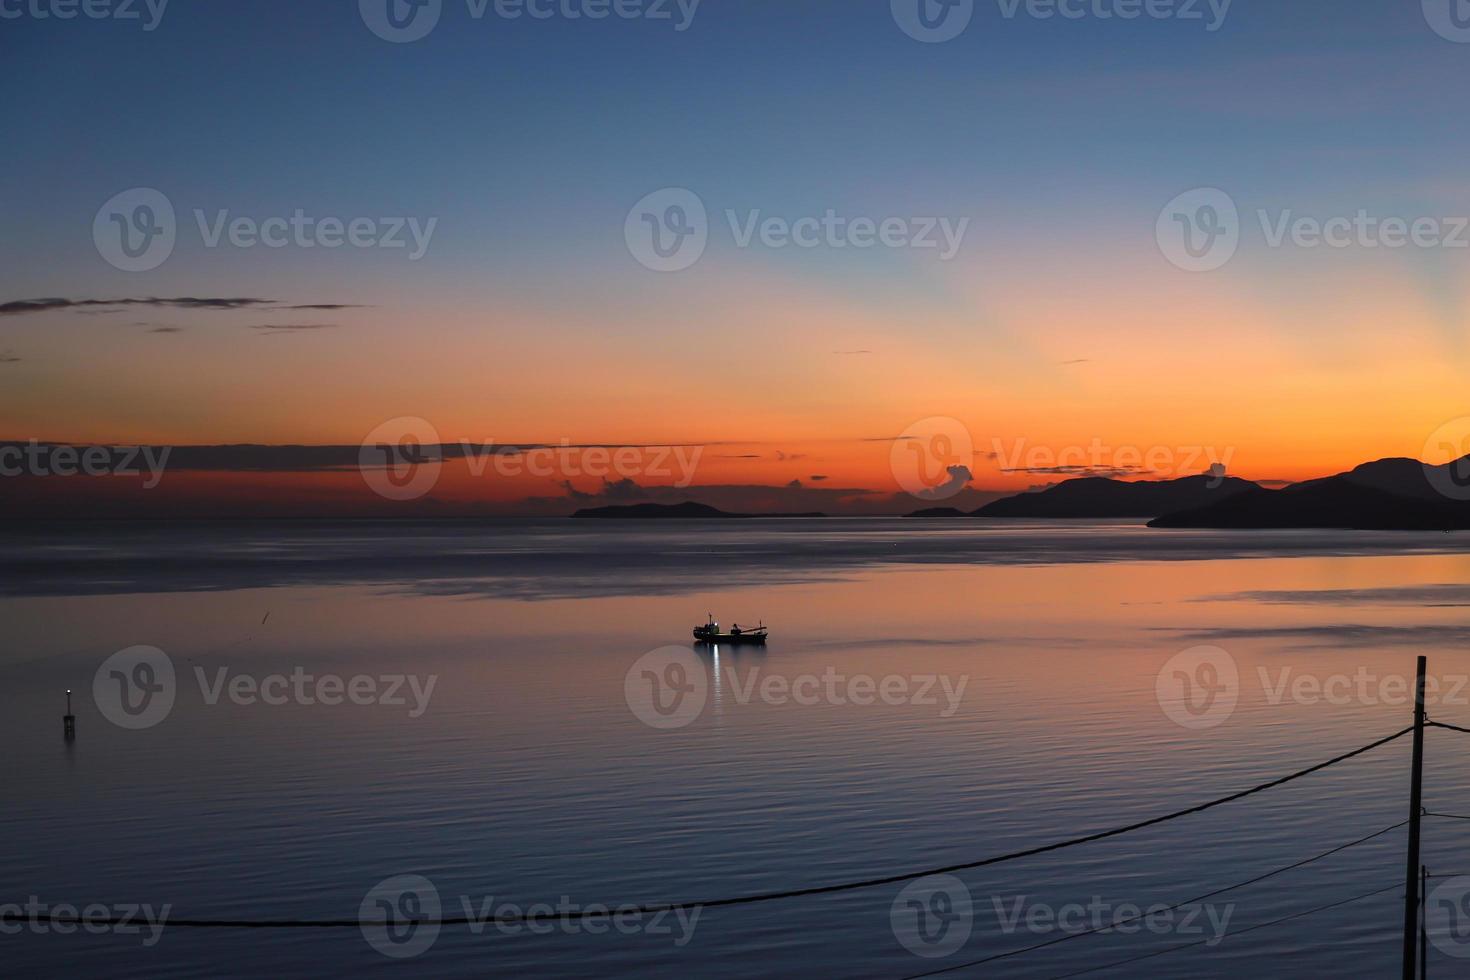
{"x":710,"y":633}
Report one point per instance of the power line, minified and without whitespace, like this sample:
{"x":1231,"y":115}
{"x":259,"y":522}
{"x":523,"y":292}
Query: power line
{"x":1238,"y":932}
{"x":1144,"y":915}
{"x":665,"y":907}
{"x":1453,"y":728}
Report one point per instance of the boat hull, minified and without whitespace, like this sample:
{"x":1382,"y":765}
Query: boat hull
{"x":757,"y":638}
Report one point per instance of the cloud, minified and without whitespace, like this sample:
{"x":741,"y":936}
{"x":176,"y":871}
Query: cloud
{"x":1336,"y":635}
{"x":237,"y":458}
{"x":1441,"y":595}
{"x":735,"y":498}
{"x":959,"y":479}
{"x":21,"y":307}
{"x":1079,"y":360}
{"x":1111,"y":472}
{"x":8,"y":357}
{"x":625,"y":490}
{"x":852,"y":352}
{"x":817,"y":477}
{"x":290,"y":327}
{"x":255,"y":458}
{"x":163,"y":329}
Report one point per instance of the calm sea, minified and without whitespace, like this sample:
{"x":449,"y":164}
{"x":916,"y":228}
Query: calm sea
{"x":492,"y":710}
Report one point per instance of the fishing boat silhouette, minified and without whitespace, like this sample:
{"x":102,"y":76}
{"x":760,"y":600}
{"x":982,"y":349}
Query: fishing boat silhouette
{"x":710,"y":633}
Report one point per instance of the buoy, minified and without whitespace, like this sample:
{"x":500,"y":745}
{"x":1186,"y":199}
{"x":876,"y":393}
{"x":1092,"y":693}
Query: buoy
{"x":69,"y":720}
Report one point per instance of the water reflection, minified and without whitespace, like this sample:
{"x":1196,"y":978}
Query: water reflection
{"x":538,"y":560}
{"x":530,"y":777}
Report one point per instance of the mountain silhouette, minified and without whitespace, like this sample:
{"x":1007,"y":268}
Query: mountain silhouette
{"x":1387,"y":494}
{"x":1100,"y":497}
{"x":1399,"y":476}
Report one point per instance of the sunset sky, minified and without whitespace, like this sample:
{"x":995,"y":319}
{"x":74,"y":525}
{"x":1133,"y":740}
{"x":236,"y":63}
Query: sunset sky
{"x":1059,"y":322}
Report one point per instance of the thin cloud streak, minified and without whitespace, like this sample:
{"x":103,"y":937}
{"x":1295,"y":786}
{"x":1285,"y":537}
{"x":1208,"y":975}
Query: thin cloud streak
{"x":24,"y":307}
{"x":270,"y":328}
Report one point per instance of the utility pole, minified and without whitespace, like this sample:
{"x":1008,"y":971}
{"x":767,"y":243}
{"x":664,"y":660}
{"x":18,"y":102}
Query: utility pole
{"x":1423,"y":923}
{"x":1416,"y":809}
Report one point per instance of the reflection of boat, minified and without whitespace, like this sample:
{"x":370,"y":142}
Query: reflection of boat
{"x":710,"y":633}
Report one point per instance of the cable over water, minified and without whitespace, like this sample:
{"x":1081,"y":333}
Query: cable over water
{"x":665,"y":907}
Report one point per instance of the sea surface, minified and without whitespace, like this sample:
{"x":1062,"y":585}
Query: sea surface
{"x":933,"y":693}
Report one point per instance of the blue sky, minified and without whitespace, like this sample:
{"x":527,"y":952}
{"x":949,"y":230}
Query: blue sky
{"x":535,"y":136}
{"x":528,"y":141}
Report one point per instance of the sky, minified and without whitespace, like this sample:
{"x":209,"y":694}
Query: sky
{"x":1031,"y":311}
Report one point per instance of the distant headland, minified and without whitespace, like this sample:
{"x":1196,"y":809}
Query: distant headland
{"x":1387,"y":494}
